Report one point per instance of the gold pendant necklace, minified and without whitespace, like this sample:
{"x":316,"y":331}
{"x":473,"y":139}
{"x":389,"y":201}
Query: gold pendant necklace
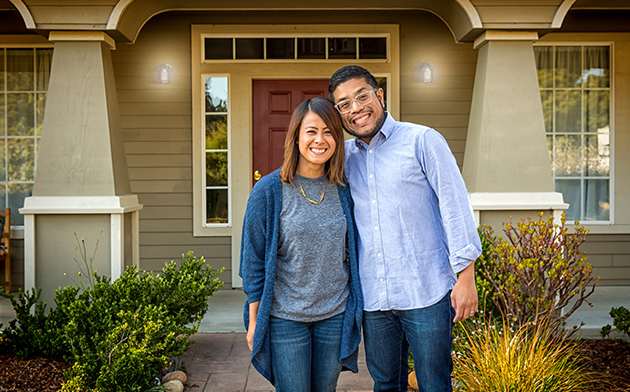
{"x":321,"y":197}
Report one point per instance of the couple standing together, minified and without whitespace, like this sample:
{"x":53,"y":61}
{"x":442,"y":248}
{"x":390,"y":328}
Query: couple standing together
{"x":371,"y":237}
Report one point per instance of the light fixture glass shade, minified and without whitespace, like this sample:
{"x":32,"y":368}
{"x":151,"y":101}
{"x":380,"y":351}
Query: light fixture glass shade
{"x":164,"y":73}
{"x":426,"y":72}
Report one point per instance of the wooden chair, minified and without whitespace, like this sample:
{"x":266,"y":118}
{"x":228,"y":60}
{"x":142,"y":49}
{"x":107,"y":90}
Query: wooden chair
{"x":5,"y":247}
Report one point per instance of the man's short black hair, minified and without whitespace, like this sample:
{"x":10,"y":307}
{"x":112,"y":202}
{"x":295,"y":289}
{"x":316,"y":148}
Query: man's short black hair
{"x":346,"y":73}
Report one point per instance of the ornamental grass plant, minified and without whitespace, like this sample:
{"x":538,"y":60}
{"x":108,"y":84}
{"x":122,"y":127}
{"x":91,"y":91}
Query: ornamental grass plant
{"x":496,"y":358}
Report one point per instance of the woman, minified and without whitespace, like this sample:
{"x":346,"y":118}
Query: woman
{"x":299,"y":262}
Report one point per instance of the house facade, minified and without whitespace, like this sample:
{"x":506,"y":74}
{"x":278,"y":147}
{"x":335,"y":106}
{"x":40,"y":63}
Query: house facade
{"x":143,"y":124}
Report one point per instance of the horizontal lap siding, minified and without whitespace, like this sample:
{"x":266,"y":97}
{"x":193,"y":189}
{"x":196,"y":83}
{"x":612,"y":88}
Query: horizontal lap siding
{"x":156,"y":121}
{"x":443,"y":104}
{"x":610,"y":256}
{"x":17,"y":265}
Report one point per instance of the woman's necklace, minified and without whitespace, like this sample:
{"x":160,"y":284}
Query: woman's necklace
{"x":321,"y":197}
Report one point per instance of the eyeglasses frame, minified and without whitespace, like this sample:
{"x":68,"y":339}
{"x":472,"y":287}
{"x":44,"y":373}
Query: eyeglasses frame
{"x":374,"y":90}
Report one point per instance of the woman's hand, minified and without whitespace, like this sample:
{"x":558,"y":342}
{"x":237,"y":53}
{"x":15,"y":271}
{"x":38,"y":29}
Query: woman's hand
{"x":250,"y":336}
{"x":251,"y":328}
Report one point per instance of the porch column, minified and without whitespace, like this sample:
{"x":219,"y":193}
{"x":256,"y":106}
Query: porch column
{"x":506,"y":161}
{"x":82,"y":183}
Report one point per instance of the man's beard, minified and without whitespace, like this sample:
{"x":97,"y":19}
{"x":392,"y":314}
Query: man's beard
{"x":377,"y":127}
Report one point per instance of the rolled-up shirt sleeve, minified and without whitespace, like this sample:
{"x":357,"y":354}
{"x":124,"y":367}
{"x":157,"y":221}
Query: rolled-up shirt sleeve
{"x":454,"y":203}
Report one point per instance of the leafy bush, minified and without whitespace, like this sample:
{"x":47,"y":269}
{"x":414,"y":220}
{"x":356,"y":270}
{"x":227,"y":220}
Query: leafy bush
{"x":621,"y":321}
{"x":538,"y":270}
{"x":119,"y":334}
{"x":496,"y":358}
{"x":485,"y":289}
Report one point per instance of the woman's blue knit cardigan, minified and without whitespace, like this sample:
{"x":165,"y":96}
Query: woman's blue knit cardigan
{"x":259,"y":249}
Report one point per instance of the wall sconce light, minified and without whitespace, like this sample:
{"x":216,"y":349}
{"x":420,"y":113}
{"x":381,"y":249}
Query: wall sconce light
{"x":164,"y":73}
{"x":426,"y":72}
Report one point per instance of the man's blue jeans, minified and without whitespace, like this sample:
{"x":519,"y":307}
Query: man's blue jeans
{"x":305,"y":356}
{"x":428,"y":331}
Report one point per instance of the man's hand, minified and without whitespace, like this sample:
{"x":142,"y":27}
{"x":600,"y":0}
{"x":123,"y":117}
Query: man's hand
{"x":464,"y":295}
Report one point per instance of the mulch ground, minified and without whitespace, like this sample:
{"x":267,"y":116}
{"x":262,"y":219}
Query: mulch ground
{"x":610,"y":357}
{"x":31,"y":375}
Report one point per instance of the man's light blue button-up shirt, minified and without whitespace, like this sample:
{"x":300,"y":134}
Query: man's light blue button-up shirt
{"x":412,"y":210}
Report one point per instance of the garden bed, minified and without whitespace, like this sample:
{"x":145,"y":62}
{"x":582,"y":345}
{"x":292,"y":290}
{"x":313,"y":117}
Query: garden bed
{"x":608,"y":356}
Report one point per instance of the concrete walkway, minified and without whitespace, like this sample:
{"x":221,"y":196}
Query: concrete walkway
{"x":220,"y":360}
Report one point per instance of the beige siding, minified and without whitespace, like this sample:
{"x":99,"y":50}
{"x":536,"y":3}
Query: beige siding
{"x":445,"y":103}
{"x":156,"y":121}
{"x":610,"y":256}
{"x":17,"y":265}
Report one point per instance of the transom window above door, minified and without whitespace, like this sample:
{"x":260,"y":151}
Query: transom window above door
{"x":318,"y":48}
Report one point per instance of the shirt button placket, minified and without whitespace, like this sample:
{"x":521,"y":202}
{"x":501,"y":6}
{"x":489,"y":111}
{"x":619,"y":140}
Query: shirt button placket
{"x":378,"y":239}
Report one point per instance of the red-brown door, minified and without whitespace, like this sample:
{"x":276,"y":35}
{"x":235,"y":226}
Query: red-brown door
{"x":273,"y":103}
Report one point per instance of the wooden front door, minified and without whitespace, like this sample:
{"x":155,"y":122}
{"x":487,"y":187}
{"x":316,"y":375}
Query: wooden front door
{"x":273,"y":103}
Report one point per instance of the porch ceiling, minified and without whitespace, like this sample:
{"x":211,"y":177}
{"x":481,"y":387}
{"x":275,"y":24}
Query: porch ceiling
{"x":467,"y":19}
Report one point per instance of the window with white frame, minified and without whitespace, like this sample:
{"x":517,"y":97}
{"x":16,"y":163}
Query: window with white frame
{"x":216,"y":156}
{"x":575,"y":85}
{"x":24,"y":74}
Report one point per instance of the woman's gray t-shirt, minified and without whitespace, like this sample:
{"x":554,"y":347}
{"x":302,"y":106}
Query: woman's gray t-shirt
{"x":311,"y":271}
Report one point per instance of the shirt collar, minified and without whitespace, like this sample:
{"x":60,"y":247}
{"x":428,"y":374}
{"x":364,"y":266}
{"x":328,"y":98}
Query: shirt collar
{"x":386,"y":130}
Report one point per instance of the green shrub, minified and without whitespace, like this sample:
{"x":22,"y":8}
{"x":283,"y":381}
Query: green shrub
{"x":485,"y":290}
{"x":119,"y":334}
{"x":538,"y":270}
{"x":621,"y":321}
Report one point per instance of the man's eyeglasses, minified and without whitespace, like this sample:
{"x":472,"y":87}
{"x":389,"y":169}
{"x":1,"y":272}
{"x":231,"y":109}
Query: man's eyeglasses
{"x":362,"y":99}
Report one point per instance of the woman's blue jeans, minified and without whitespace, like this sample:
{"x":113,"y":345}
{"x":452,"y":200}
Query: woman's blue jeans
{"x":305,"y":356}
{"x":428,"y":331}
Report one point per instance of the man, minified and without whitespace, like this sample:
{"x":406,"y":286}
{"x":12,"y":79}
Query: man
{"x":416,"y":232}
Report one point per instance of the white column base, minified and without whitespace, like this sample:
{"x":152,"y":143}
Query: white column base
{"x":115,"y":206}
{"x":518,"y":201}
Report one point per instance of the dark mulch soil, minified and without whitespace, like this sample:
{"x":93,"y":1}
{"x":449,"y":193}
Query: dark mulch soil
{"x":31,"y":375}
{"x":610,"y":357}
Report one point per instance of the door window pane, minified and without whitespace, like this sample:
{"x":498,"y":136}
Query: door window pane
{"x":216,"y":206}
{"x":311,"y":48}
{"x":373,"y":48}
{"x":280,"y":48}
{"x":249,"y":48}
{"x":216,"y":132}
{"x":216,"y":157}
{"x":218,"y":49}
{"x":216,"y":168}
{"x":216,"y":94}
{"x":342,"y":48}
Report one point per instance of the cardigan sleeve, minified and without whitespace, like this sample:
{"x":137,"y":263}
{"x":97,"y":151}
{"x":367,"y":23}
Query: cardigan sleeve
{"x":252,"y":263}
